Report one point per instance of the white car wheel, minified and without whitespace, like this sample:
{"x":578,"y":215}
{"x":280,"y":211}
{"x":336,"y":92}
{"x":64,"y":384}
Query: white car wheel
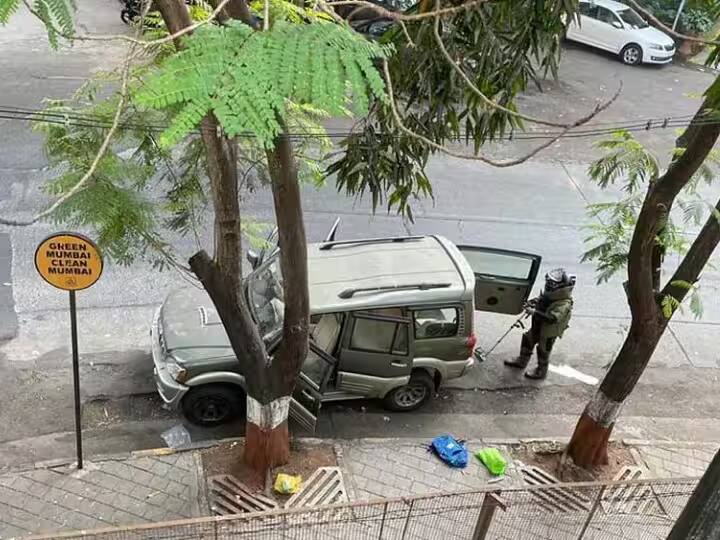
{"x":631,"y":55}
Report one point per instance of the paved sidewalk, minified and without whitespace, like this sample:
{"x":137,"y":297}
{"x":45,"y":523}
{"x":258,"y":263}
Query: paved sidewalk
{"x":398,"y":467}
{"x":675,"y":459}
{"x":158,"y":486}
{"x":135,"y":490}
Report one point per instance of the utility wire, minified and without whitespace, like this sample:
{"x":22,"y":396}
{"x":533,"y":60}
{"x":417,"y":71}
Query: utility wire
{"x":94,"y":121}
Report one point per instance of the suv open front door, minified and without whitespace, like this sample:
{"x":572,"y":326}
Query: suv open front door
{"x":503,"y":278}
{"x":309,"y":387}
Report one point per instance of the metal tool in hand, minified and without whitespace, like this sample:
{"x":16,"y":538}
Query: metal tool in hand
{"x":482,"y":356}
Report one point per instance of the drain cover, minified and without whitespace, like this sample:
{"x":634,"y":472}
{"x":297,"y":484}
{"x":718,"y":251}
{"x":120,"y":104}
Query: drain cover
{"x":228,"y":495}
{"x":325,"y":486}
{"x":554,"y":499}
{"x":631,"y":498}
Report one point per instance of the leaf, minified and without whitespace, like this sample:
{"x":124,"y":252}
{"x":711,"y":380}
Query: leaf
{"x":669,"y":305}
{"x":8,"y":9}
{"x":682,"y":284}
{"x":249,"y":79}
{"x":696,"y":305}
{"x":627,"y":160}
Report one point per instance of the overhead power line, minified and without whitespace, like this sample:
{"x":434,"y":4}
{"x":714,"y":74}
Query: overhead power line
{"x":588,"y":131}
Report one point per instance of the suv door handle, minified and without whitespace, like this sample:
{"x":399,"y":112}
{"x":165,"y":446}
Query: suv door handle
{"x":398,"y":364}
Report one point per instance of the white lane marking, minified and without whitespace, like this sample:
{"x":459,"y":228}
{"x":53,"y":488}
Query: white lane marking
{"x":567,"y":371}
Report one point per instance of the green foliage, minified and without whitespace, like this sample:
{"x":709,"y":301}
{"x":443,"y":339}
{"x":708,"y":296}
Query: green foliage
{"x":627,"y":160}
{"x":670,"y":303}
{"x":282,"y":10}
{"x":116,"y":203}
{"x":246,"y":78}
{"x":57,"y":15}
{"x":610,"y":233}
{"x":697,"y":18}
{"x":502,"y":47}
{"x":141,"y":194}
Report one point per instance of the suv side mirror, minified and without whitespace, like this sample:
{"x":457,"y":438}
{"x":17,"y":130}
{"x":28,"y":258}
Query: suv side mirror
{"x":617,"y":24}
{"x":252,"y":257}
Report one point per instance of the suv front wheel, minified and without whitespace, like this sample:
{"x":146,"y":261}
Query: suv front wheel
{"x":411,"y":396}
{"x":213,"y":404}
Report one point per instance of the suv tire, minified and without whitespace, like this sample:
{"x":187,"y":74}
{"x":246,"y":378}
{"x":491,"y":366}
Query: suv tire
{"x":214,"y":404}
{"x":411,"y":396}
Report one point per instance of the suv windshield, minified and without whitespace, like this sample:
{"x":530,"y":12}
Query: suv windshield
{"x":632,"y":19}
{"x":265,"y":293}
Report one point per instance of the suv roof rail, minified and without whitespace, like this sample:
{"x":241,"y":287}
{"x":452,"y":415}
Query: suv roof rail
{"x":349,"y":293}
{"x":364,"y":241}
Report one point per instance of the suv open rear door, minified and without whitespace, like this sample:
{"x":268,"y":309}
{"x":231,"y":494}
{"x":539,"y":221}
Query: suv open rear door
{"x":503,"y":279}
{"x":309,"y":387}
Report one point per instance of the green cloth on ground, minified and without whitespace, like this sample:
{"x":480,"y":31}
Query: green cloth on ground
{"x":493,"y":460}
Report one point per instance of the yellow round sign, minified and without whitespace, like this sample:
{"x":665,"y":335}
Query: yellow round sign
{"x":68,"y":261}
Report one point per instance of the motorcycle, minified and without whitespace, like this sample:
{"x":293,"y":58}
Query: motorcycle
{"x":131,"y":11}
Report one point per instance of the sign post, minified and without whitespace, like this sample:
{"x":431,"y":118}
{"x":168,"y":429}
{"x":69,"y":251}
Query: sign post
{"x":70,"y":262}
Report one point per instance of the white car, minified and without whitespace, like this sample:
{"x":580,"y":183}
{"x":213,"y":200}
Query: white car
{"x":615,"y":27}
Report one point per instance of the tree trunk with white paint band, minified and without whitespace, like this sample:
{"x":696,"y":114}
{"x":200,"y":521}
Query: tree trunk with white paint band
{"x":588,"y":445}
{"x":269,"y":381}
{"x":267,"y":442}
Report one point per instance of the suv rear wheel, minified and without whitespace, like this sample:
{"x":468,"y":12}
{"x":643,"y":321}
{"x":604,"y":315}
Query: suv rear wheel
{"x":411,"y":396}
{"x":213,"y":404}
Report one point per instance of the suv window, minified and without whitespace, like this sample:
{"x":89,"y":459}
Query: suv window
{"x":499,"y":264}
{"x":436,"y":323}
{"x":378,"y":335}
{"x":315,"y":367}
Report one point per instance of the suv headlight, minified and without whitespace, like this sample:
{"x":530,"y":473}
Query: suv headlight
{"x":657,"y":47}
{"x":178,"y":373}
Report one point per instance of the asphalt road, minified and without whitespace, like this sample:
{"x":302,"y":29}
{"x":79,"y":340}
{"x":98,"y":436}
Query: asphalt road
{"x":538,"y":207}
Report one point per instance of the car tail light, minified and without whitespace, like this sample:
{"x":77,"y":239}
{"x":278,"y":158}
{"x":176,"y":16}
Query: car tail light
{"x":470,"y":342}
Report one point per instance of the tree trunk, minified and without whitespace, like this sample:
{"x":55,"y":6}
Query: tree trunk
{"x":266,"y":438}
{"x":588,"y":444}
{"x":700,"y":519}
{"x":269,"y":381}
{"x":175,"y":15}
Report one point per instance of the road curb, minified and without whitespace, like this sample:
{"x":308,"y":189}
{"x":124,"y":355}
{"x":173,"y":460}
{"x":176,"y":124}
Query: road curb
{"x":337,"y":443}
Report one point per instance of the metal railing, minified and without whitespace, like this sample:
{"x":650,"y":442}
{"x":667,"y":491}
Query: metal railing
{"x":633,"y":510}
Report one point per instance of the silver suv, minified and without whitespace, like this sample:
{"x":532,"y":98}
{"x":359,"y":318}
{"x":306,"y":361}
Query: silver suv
{"x":391,"y":318}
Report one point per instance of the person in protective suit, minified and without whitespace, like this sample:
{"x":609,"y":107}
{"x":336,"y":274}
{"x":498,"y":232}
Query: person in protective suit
{"x":551,"y":312}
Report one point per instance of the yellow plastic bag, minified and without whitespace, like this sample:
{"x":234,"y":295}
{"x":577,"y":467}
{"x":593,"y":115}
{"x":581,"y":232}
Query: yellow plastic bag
{"x":287,"y":484}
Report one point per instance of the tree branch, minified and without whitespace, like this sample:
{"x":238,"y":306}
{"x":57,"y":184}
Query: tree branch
{"x":242,"y":332}
{"x":134,"y":40}
{"x":238,"y":9}
{"x":399,"y":16}
{"x":174,"y":36}
{"x":696,"y":257}
{"x":478,"y":92}
{"x":507,"y":163}
{"x":642,"y":295}
{"x":667,"y":29}
{"x":293,"y":259}
{"x":95,"y":162}
{"x":701,"y":140}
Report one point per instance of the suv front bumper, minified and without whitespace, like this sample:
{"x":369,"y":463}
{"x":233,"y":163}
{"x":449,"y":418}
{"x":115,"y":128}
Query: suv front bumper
{"x":169,"y":389}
